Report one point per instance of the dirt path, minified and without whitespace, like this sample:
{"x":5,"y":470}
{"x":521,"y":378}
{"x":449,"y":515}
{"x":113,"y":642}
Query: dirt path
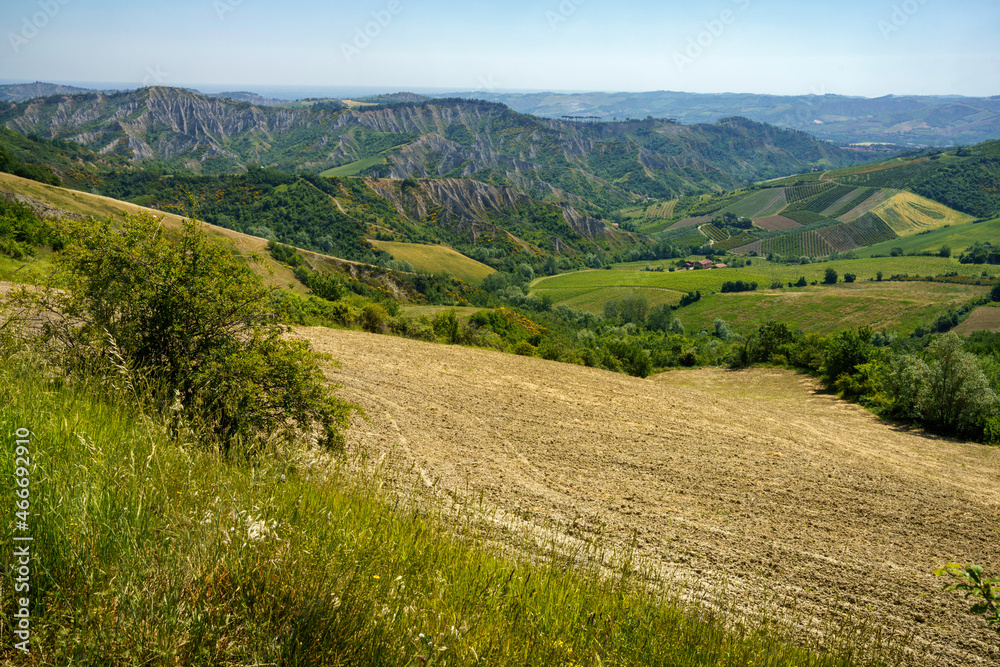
{"x":754,"y":476}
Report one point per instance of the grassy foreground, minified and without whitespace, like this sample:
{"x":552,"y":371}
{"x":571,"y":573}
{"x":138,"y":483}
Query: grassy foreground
{"x":149,"y":550}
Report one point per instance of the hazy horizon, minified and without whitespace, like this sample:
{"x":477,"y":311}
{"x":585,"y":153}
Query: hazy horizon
{"x":292,"y":92}
{"x":900,"y":47}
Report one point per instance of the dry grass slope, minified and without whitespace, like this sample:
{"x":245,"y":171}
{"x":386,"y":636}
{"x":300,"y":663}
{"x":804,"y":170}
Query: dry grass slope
{"x":756,"y":477}
{"x":437,"y":259}
{"x":909,"y":214}
{"x":99,"y":206}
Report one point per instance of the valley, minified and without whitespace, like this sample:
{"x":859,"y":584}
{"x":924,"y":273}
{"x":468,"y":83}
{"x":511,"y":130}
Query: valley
{"x":720,"y":345}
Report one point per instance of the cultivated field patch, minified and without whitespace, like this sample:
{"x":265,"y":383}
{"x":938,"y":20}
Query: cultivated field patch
{"x":774,"y":223}
{"x":907,"y":214}
{"x":885,"y":306}
{"x":756,"y":480}
{"x":984,"y":318}
{"x":762,"y":203}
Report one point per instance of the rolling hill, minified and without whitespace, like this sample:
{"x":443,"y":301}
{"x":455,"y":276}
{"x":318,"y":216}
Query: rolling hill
{"x":841,"y":210}
{"x":897,"y":119}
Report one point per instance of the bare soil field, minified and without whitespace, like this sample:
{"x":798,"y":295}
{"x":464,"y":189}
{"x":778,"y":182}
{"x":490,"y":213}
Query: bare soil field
{"x":984,"y":318}
{"x":756,"y":478}
{"x":774,"y":223}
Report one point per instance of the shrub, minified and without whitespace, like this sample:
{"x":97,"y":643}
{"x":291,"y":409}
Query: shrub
{"x":801,"y":282}
{"x":830,"y":277}
{"x":374,"y":318}
{"x":722,"y":329}
{"x":446,"y":325}
{"x":850,"y":277}
{"x":738,"y":286}
{"x":189,"y":324}
{"x":525,"y":349}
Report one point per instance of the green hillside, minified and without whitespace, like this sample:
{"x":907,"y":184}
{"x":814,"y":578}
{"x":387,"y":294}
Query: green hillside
{"x":847,"y":209}
{"x":436,"y":259}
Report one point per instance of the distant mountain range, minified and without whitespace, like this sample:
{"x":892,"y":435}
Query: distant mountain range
{"x":908,"y":120}
{"x":607,"y":164}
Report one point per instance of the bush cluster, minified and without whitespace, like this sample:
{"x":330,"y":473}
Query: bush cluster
{"x":186,"y":328}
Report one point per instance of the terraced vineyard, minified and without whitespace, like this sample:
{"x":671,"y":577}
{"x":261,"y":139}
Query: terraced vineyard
{"x":776,"y":223}
{"x":851,"y":208}
{"x":663,"y":210}
{"x":847,"y":204}
{"x":798,"y":244}
{"x":809,"y":218}
{"x":799,"y":192}
{"x":838,"y":238}
{"x":895,"y":175}
{"x":714,"y":233}
{"x":735,"y":241}
{"x":763,"y":203}
{"x":820,"y":202}
{"x":868,"y":230}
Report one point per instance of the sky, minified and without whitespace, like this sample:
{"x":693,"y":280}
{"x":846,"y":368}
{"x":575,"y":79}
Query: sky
{"x":849,"y":47}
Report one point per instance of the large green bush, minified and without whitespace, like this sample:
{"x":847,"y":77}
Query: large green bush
{"x":180,"y":322}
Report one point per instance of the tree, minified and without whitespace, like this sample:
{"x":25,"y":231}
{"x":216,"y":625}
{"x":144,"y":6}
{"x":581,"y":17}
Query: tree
{"x":945,"y":251}
{"x":850,"y":277}
{"x":184,"y":322}
{"x":845,"y":352}
{"x":633,"y":308}
{"x":660,"y":318}
{"x":722,"y":329}
{"x":830,"y":277}
{"x":958,"y":398}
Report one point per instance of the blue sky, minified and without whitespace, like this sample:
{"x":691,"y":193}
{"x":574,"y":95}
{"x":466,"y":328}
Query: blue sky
{"x":852,"y":47}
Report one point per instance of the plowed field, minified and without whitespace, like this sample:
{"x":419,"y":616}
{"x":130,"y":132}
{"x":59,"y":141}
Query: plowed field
{"x":755,"y":477}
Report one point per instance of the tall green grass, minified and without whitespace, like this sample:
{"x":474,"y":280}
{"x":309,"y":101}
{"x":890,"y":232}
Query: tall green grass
{"x":150,"y":550}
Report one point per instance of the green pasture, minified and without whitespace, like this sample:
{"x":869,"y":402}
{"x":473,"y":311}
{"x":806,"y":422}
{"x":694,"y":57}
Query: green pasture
{"x":958,"y":238}
{"x":885,"y":306}
{"x":355,"y":168}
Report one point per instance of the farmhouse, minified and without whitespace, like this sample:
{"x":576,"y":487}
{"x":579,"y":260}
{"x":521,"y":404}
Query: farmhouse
{"x":703,"y":264}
